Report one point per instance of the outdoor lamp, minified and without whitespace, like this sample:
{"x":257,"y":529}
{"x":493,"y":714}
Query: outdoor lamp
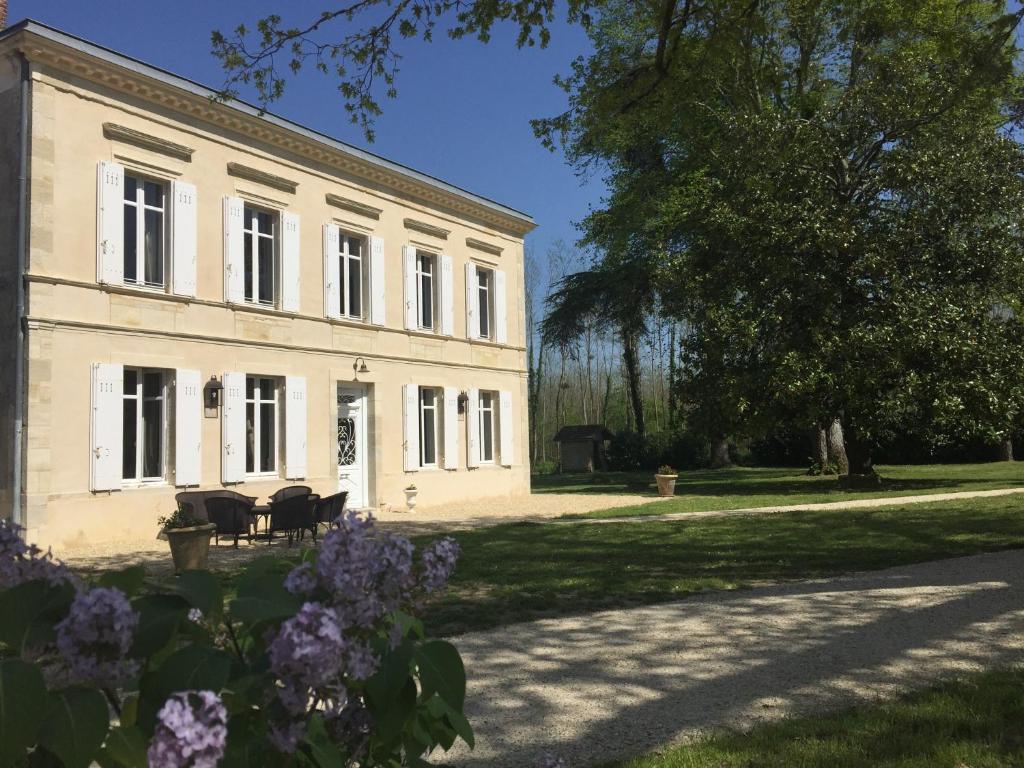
{"x":463,"y":399}
{"x":359,"y":366}
{"x":211,"y":397}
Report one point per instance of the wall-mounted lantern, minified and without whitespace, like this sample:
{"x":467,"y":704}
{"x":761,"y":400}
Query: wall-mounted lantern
{"x":463,"y":399}
{"x":211,"y":397}
{"x":359,"y":366}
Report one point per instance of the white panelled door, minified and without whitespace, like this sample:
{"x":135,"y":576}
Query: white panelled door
{"x":353,"y":461}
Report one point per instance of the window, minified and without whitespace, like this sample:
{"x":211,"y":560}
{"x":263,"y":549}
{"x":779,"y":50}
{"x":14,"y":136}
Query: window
{"x":261,"y":425}
{"x":144,"y":418}
{"x":260,"y":238}
{"x":428,"y":427}
{"x":425,"y":263}
{"x":484,"y":279}
{"x":350,"y":253}
{"x":144,"y":232}
{"x":486,"y":415}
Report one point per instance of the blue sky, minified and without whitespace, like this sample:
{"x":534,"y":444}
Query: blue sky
{"x":462,"y":112}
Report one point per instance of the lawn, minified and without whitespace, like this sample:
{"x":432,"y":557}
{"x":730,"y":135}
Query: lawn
{"x":975,"y":722}
{"x":525,"y":571}
{"x":742,"y":487}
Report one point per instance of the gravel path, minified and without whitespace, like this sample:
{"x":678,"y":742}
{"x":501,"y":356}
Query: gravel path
{"x":618,"y":683}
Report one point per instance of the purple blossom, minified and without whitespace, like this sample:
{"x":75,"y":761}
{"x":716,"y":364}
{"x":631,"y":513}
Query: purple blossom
{"x":285,"y":737}
{"x":20,"y":562}
{"x":191,"y":731}
{"x":360,"y":662}
{"x":195,"y":615}
{"x":438,"y":558}
{"x":301,"y":580}
{"x":96,"y":635}
{"x":308,"y":652}
{"x":548,"y":760}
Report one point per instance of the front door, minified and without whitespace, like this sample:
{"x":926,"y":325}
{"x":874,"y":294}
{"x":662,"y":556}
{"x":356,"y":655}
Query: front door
{"x":352,"y":462}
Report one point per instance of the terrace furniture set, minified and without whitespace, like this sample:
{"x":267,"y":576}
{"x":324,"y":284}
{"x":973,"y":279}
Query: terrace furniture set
{"x":291,"y":511}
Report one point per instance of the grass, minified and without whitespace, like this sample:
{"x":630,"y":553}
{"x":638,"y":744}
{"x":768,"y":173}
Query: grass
{"x":742,"y":487}
{"x":525,"y":571}
{"x":975,"y":722}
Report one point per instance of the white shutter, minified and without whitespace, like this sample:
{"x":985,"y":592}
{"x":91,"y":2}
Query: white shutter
{"x":188,"y":427}
{"x":472,"y":302}
{"x":377,"y":280}
{"x":106,"y":426}
{"x":332,"y":273}
{"x":447,"y":296}
{"x":409,"y":271}
{"x":290,"y":261}
{"x":184,"y":208}
{"x":411,"y":426}
{"x":232,"y":464}
{"x":295,"y":427}
{"x":473,"y":429}
{"x":506,"y":429}
{"x":451,"y":428}
{"x":500,"y":308}
{"x":234,"y":250}
{"x":110,"y":223}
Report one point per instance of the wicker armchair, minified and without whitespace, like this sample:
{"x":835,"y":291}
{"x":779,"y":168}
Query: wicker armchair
{"x":328,"y":509}
{"x":289,"y":491}
{"x":291,"y":516}
{"x":231,"y":516}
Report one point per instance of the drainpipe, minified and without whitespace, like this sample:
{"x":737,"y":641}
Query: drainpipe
{"x":17,"y":510}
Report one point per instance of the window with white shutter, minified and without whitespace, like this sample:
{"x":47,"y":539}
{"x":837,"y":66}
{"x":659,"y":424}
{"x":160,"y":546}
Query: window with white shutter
{"x":262,"y":418}
{"x":429,"y":407}
{"x":506,"y":429}
{"x":485,"y":430}
{"x":290,"y":261}
{"x":377,"y":278}
{"x":144,"y":425}
{"x":183,"y":238}
{"x":234,"y":251}
{"x":109,"y":223}
{"x":105,"y":427}
{"x":447,"y":295}
{"x":472,"y":315}
{"x":332,"y":276}
{"x":450,"y":411}
{"x":410,"y":284}
{"x":233,"y":442}
{"x":500,"y":303}
{"x":473,"y":429}
{"x":410,"y":427}
{"x":295,"y":427}
{"x":188,"y":427}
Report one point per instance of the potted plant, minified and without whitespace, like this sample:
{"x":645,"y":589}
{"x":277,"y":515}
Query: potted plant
{"x":189,"y":538}
{"x":666,"y":478}
{"x":410,"y":497}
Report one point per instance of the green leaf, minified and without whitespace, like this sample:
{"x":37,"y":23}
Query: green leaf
{"x":75,"y":727}
{"x":202,"y":590}
{"x":193,"y":668}
{"x":442,"y":672}
{"x":461,"y":726}
{"x":390,"y":720}
{"x":23,"y":703}
{"x":322,"y":750}
{"x":392,"y":675}
{"x":159,"y":617}
{"x":126,"y":747}
{"x":128,"y":580}
{"x":30,"y":611}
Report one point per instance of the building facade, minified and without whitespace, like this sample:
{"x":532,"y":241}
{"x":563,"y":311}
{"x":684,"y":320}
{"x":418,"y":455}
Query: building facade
{"x":195,"y":295}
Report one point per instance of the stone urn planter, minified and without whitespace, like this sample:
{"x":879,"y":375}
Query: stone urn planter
{"x":410,"y":497}
{"x":190,"y":547}
{"x":666,"y":478}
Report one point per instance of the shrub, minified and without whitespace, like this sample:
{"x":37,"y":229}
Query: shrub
{"x":320,"y":663}
{"x":683,"y":449}
{"x":628,"y":452}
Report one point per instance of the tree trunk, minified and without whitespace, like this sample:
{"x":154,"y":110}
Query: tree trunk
{"x":630,"y":359}
{"x":1006,"y":449}
{"x":859,"y":455}
{"x":673,"y":406}
{"x":820,"y":448}
{"x":720,"y":453}
{"x":3,"y":14}
{"x":837,"y":448}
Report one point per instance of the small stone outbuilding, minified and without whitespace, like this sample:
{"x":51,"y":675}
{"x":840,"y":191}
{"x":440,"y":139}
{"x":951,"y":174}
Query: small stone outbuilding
{"x":581,"y":448}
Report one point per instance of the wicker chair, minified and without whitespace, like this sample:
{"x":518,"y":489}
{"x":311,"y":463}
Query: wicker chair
{"x":194,"y":502}
{"x":291,"y":515}
{"x":231,"y":516}
{"x":288,"y":491}
{"x":328,"y":509}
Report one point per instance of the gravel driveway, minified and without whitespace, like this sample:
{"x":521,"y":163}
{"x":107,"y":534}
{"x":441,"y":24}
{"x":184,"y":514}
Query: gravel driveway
{"x":618,"y":683}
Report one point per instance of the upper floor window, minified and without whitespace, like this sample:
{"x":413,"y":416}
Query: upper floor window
{"x":485,"y":413}
{"x":426,"y":269}
{"x":350,"y":270}
{"x":144,"y":437}
{"x":485,"y":279}
{"x":259,"y":234}
{"x":261,"y":419}
{"x":145,"y":232}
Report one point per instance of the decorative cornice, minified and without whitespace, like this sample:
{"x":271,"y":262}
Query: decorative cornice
{"x":144,"y":140}
{"x":480,"y":245}
{"x":262,"y":177}
{"x":83,"y":60}
{"x":427,"y":229}
{"x":353,"y":206}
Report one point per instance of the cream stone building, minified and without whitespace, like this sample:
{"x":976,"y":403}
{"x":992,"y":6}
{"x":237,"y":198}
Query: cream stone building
{"x":197,"y":295}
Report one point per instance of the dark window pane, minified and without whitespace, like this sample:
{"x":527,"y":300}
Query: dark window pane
{"x":427,"y":303}
{"x":267,"y":430}
{"x":428,"y":437}
{"x":266,"y":389}
{"x":130,"y":381}
{"x":355,"y":246}
{"x":266,"y":270}
{"x":250,"y":387}
{"x":485,"y":313}
{"x":248,"y":218}
{"x":354,"y":288}
{"x":129,"y":188}
{"x":128,"y":454}
{"x":154,"y":243}
{"x":343,"y":277}
{"x":130,"y":250}
{"x":152,"y":430}
{"x":265,"y":222}
{"x":152,"y":384}
{"x":488,"y":436}
{"x":154,"y":194}
{"x":250,"y":436}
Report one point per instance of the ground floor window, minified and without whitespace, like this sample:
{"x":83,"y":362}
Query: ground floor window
{"x":485,"y":413}
{"x":261,"y":420}
{"x":428,"y":427}
{"x":144,"y":432}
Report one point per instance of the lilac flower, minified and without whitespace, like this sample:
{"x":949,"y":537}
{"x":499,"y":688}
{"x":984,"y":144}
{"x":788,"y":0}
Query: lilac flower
{"x":439,"y":559}
{"x":96,"y":635}
{"x":308,"y":652}
{"x":191,"y":731}
{"x":548,"y":760}
{"x":285,"y":737}
{"x":20,"y":562}
{"x":301,"y":580}
{"x":195,"y":615}
{"x":360,"y":662}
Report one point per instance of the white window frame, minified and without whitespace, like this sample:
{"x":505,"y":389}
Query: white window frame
{"x":485,"y":413}
{"x":140,"y":207}
{"x":344,"y":257}
{"x":256,"y":401}
{"x":433,"y":408}
{"x":140,"y":429}
{"x":484,"y":303}
{"x":432,"y":276}
{"x":252,"y":236}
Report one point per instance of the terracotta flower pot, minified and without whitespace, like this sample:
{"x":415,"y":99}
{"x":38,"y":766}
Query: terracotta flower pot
{"x":190,"y":547}
{"x":666,"y":484}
